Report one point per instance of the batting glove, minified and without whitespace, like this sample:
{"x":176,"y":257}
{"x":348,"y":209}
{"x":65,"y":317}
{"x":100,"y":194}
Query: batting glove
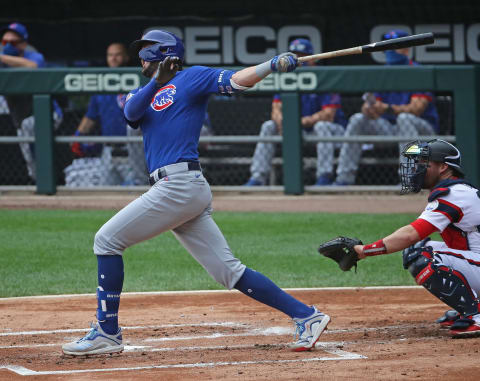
{"x":284,"y":63}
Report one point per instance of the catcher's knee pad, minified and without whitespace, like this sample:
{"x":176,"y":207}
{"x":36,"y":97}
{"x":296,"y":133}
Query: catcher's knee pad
{"x":108,"y":303}
{"x":412,"y":253}
{"x":447,"y":284}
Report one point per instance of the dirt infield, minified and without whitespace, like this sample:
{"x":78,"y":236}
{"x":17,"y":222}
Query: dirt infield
{"x":375,"y":334}
{"x":228,"y":202}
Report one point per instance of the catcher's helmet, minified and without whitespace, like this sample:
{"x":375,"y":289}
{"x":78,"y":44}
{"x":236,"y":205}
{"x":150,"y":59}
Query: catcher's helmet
{"x":301,"y":45}
{"x":418,"y":154}
{"x":166,"y":44}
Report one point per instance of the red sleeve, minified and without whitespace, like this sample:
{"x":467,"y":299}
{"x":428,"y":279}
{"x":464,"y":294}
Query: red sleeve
{"x":330,"y":106}
{"x":423,"y":227}
{"x":421,"y":95}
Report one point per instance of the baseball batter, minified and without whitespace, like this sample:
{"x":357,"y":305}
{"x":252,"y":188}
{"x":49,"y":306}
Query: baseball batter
{"x":170,"y":110}
{"x":450,"y":270}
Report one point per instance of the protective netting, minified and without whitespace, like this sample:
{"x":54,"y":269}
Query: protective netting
{"x":224,"y":163}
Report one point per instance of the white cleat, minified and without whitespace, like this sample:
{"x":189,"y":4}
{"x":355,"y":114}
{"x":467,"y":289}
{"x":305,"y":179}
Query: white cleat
{"x":95,"y":342}
{"x":308,"y":331}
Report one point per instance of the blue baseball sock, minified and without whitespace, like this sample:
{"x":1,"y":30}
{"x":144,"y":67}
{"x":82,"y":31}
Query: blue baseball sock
{"x":259,"y":287}
{"x":110,"y":283}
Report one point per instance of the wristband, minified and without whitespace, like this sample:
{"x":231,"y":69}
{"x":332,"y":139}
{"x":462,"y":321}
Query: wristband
{"x":263,"y":69}
{"x":376,"y":248}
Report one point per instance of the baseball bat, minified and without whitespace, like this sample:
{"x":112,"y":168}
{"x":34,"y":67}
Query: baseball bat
{"x":394,"y":43}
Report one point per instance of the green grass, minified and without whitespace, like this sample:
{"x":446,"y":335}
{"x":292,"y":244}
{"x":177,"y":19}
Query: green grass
{"x":50,"y":252}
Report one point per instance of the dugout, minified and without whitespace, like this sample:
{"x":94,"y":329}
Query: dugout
{"x":457,"y":84}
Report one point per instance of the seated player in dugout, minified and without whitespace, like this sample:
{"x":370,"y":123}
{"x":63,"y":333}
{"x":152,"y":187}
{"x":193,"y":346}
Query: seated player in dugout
{"x":16,"y":52}
{"x":170,"y":110}
{"x":109,"y":164}
{"x":450,"y":270}
{"x":321,"y":116}
{"x":389,"y":114}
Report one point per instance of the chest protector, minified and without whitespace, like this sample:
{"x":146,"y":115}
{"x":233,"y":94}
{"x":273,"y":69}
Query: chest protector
{"x":454,"y":237}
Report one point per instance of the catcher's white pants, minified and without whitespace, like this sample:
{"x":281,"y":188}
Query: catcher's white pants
{"x":262,"y":158}
{"x":359,"y":124}
{"x":180,"y":202}
{"x":464,"y":261}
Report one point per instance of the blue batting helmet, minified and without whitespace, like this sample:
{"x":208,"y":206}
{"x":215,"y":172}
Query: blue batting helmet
{"x":166,"y":44}
{"x":395,"y":34}
{"x":301,"y":45}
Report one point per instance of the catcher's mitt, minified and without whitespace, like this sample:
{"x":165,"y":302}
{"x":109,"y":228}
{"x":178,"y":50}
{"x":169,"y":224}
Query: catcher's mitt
{"x":341,"y":250}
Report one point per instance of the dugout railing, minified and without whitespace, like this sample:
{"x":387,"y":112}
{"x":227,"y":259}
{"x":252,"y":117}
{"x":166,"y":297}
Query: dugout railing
{"x":462,"y":82}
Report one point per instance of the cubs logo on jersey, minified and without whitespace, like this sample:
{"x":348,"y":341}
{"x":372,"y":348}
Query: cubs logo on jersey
{"x":163,"y":98}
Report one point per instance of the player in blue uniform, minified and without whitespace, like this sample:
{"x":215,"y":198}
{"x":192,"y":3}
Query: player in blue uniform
{"x":17,"y":53}
{"x":321,"y":115}
{"x":389,"y":113}
{"x":118,"y":164}
{"x":170,"y":110}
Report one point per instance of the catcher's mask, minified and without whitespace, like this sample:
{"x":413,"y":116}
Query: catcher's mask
{"x":165,"y":45}
{"x":419,"y":154}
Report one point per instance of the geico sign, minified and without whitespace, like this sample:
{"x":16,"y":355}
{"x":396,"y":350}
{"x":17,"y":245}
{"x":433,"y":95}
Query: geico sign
{"x":101,"y":82}
{"x":288,"y":81}
{"x":453,"y":42}
{"x":247,"y":45}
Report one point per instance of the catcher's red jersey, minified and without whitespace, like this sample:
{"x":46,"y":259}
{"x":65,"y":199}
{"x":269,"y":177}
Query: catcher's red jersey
{"x":456,"y":214}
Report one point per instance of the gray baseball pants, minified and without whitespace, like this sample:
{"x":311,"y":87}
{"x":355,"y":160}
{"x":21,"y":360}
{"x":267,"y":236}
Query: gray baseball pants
{"x":262,"y":158}
{"x":180,"y":202}
{"x":358,"y":124}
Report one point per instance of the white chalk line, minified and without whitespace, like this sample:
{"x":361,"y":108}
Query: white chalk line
{"x":329,"y":347}
{"x":271,"y":331}
{"x":268,"y":331}
{"x":194,"y":292}
{"x":28,"y":372}
{"x":75,"y":330}
{"x":279,"y":331}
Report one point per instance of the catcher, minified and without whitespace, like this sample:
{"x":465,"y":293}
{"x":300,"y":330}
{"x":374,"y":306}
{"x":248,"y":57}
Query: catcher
{"x":450,"y":270}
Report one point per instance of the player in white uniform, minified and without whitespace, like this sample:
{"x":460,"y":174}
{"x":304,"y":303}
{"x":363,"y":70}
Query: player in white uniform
{"x":170,"y":111}
{"x":450,"y":270}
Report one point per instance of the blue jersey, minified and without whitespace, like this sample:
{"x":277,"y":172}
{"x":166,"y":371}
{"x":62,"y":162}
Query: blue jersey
{"x":172,"y":121}
{"x":107,"y":110}
{"x":312,"y":103}
{"x":35,"y":57}
{"x":402,"y":98}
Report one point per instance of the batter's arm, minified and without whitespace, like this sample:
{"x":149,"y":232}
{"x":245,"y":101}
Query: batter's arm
{"x":136,"y":104}
{"x":249,"y":76}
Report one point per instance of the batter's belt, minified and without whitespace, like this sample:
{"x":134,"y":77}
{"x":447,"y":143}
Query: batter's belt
{"x":171,"y":169}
